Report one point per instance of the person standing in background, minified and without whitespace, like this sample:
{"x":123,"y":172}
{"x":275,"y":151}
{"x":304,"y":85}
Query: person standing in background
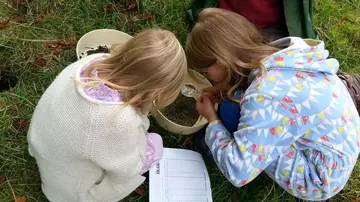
{"x":273,"y":18}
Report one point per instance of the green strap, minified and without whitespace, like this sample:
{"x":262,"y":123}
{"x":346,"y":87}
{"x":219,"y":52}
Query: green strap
{"x":299,"y":18}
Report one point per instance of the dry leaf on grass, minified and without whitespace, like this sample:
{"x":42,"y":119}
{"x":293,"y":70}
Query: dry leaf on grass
{"x":38,"y":20}
{"x":143,"y":17}
{"x":4,"y":24}
{"x":57,"y":51}
{"x":2,"y":179}
{"x":187,"y":141}
{"x":130,"y":10}
{"x":41,"y":18}
{"x":110,"y":8}
{"x":19,"y":19}
{"x":64,"y":44}
{"x":140,"y":191}
{"x":131,"y":4}
{"x":118,"y":26}
{"x":21,"y":199}
{"x":60,"y":45}
{"x":21,"y":125}
{"x":40,"y":61}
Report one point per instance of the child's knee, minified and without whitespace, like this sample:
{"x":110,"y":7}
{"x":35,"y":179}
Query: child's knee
{"x":156,"y":138}
{"x":157,"y":143}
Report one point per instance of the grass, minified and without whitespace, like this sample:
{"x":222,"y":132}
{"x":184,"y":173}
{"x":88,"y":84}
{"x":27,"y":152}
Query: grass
{"x":26,"y":58}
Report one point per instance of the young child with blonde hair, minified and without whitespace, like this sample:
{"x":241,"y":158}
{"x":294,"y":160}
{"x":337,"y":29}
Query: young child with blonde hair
{"x":89,"y":134}
{"x":297,"y":120}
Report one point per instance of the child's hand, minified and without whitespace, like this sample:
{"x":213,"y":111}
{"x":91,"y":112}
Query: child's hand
{"x":206,"y":108}
{"x":212,"y":93}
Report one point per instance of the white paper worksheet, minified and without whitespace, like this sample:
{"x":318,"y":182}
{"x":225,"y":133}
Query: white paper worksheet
{"x":180,"y":176}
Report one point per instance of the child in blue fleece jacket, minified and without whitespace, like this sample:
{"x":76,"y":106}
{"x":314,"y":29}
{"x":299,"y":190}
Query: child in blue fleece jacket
{"x":297,"y":123}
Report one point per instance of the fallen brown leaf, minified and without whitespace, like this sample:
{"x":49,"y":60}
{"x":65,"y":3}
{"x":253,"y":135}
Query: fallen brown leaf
{"x":40,"y":61}
{"x":2,"y":179}
{"x":52,"y":44}
{"x":131,"y":4}
{"x":20,"y":19}
{"x":21,"y":199}
{"x":118,"y":26}
{"x":65,"y":43}
{"x":130,"y":22}
{"x":110,"y":8}
{"x":187,"y":141}
{"x":143,"y":17}
{"x":60,"y":45}
{"x":38,"y":20}
{"x":57,"y":51}
{"x":120,"y":7}
{"x":4,"y":24}
{"x":21,"y":125}
{"x":147,"y":17}
{"x":140,"y":191}
{"x":68,"y":42}
{"x":41,"y":18}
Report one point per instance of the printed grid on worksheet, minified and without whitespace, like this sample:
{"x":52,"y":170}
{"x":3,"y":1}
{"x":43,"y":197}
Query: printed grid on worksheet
{"x":185,"y":180}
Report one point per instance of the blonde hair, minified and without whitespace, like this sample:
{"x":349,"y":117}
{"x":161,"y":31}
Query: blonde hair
{"x":226,"y":38}
{"x":149,"y":68}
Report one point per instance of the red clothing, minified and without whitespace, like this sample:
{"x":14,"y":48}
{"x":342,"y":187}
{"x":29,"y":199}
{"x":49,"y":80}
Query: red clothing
{"x":263,"y":13}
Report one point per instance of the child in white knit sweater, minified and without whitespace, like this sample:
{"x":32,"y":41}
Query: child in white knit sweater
{"x":89,"y":134}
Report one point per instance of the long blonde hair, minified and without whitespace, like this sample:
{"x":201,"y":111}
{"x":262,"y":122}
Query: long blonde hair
{"x":149,"y":68}
{"x":226,"y":38}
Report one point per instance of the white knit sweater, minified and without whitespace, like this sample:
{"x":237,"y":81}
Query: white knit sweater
{"x":86,"y":150}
